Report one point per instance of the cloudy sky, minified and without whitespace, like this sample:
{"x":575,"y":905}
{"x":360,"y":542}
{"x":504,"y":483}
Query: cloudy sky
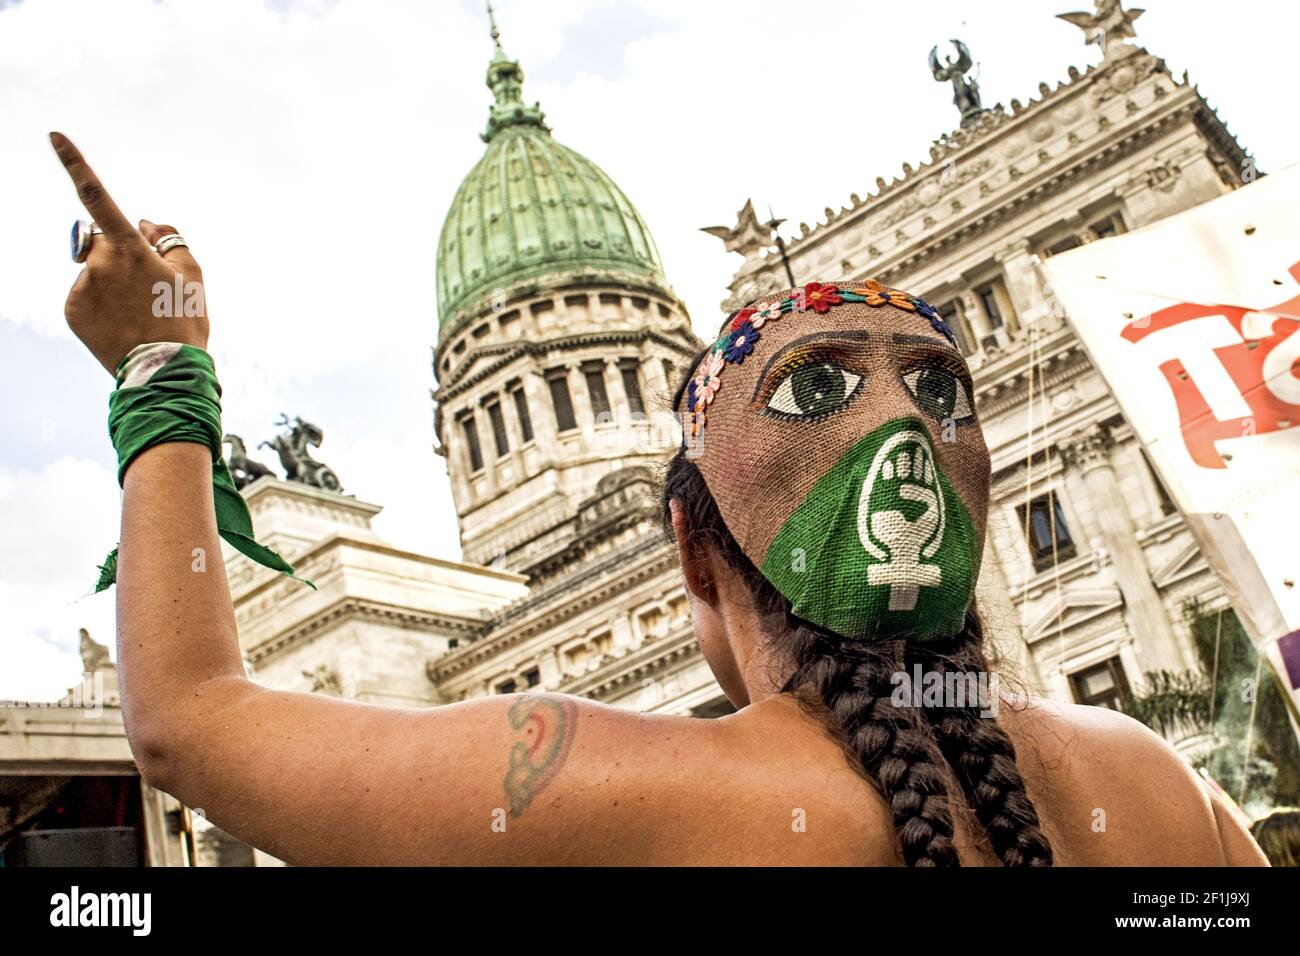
{"x":309,"y":151}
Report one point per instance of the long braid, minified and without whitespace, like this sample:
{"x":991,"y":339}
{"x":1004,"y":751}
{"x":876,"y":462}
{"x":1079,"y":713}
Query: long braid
{"x":891,"y":745}
{"x":983,"y":755}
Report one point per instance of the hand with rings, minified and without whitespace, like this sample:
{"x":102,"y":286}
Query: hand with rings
{"x":113,"y":305}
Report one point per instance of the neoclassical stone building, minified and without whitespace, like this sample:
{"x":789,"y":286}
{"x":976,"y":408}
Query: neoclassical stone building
{"x":559,"y":337}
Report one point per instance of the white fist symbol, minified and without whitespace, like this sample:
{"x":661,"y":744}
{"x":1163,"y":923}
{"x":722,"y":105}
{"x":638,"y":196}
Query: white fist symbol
{"x":902,"y":544}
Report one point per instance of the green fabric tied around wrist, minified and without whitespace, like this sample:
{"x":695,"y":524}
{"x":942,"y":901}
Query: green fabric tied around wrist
{"x":168,"y":392}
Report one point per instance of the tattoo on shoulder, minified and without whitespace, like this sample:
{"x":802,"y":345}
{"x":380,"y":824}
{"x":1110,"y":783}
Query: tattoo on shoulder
{"x":546,"y":726}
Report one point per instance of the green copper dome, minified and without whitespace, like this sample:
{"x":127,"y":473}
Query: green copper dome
{"x":534,"y":214}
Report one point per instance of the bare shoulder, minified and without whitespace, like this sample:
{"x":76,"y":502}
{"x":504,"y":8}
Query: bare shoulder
{"x":765,"y":785}
{"x":1079,"y":738}
{"x":1110,"y":790}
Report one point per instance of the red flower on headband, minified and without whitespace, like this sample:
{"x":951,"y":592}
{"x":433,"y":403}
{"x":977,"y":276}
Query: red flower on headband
{"x":741,"y":317}
{"x":817,"y":297}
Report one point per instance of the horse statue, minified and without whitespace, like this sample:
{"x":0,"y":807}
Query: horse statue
{"x":295,"y":455}
{"x":965,"y":93}
{"x":243,"y":469}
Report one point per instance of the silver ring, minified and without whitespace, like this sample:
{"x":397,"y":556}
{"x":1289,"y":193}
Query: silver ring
{"x":172,"y":240}
{"x":83,"y":233}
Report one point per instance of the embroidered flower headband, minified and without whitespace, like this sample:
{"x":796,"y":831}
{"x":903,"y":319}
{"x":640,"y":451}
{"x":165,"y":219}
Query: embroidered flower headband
{"x":742,"y":332}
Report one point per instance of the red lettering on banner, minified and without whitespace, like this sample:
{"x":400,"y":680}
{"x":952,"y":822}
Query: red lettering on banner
{"x":1244,"y":362}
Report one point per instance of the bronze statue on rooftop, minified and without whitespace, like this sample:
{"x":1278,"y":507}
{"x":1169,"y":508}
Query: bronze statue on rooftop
{"x":243,"y":469}
{"x":295,"y":454}
{"x":965,"y":92}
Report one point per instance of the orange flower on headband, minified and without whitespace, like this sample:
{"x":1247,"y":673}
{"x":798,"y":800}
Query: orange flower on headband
{"x":885,"y":296}
{"x":697,"y":422}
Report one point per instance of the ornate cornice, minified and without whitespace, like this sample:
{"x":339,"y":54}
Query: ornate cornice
{"x":562,"y":601}
{"x":913,"y":256}
{"x":317,"y":560}
{"x":1003,"y":384}
{"x":349,"y":607}
{"x":586,"y":538}
{"x":508,"y":352}
{"x":1118,"y":76}
{"x":647,"y":662}
{"x":1182,"y":103}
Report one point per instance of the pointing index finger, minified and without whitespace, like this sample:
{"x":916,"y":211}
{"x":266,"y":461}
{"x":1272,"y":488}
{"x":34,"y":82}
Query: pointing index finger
{"x":91,"y":191}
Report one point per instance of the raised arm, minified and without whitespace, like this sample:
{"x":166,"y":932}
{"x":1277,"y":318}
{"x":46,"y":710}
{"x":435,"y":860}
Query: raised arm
{"x":311,"y":779}
{"x":315,"y":780}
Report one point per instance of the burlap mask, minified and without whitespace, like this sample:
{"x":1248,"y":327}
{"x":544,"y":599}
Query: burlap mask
{"x":835,"y":428}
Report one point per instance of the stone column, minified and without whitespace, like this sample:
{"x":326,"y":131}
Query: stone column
{"x":1088,"y":452}
{"x":514,"y":438}
{"x":1079,"y":229}
{"x":581,"y":399}
{"x":1022,"y":282}
{"x":975,"y":318}
{"x":487,"y":443}
{"x":514,"y":431}
{"x":1003,"y":626}
{"x":1141,"y":202}
{"x":621,"y":630}
{"x":1089,"y":531}
{"x":548,"y":667}
{"x":657,"y":377}
{"x":1132,"y":450}
{"x":541,"y":409}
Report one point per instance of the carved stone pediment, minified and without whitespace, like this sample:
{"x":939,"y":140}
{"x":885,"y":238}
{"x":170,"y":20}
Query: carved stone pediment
{"x":1075,"y":608}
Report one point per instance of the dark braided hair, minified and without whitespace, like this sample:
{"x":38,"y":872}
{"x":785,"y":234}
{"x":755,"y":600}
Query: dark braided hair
{"x":909,"y":754}
{"x":982,"y":754}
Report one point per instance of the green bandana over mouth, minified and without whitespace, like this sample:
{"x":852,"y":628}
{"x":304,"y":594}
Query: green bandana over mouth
{"x":168,"y":392}
{"x":882,"y":546}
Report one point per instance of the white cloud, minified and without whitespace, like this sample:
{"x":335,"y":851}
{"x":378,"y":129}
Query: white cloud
{"x":401,"y":473}
{"x":45,"y":671}
{"x":59,"y":523}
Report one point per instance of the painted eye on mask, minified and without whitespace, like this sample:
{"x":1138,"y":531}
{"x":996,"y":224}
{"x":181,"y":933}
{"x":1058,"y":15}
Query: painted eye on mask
{"x":814,"y":390}
{"x":939,"y":392}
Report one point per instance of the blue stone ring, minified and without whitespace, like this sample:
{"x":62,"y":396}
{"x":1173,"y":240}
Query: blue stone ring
{"x":82,"y":234}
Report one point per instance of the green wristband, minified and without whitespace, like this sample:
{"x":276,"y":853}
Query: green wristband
{"x":168,"y":392}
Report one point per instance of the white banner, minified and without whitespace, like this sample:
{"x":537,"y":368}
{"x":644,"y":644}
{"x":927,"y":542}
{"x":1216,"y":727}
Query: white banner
{"x":1195,"y":324}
